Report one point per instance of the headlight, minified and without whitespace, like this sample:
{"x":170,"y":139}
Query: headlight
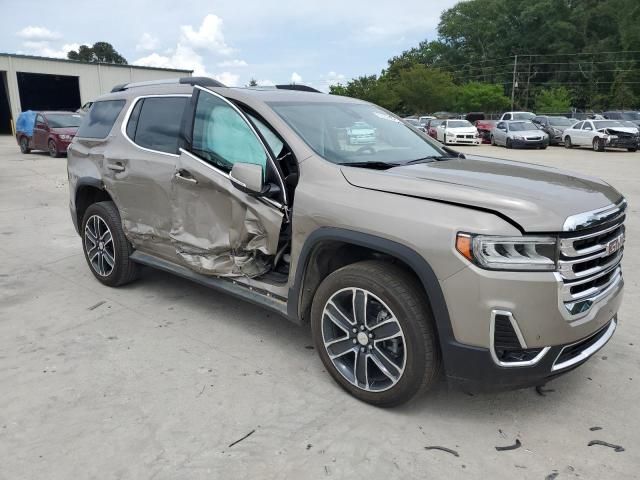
{"x":66,"y":138}
{"x":509,"y":253}
{"x":518,"y":137}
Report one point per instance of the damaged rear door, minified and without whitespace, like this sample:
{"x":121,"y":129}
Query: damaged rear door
{"x":216,"y":228}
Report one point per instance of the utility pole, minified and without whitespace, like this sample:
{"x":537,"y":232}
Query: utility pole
{"x":513,"y":81}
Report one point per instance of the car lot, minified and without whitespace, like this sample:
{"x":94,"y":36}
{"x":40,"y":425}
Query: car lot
{"x":160,"y":378}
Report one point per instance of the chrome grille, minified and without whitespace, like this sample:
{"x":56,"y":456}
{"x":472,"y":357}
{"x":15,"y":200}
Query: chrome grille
{"x":588,"y":269}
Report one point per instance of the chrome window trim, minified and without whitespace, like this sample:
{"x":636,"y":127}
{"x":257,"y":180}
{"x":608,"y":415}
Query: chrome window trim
{"x":248,"y":122}
{"x":227,"y":176}
{"x":592,"y":218}
{"x":516,"y":328}
{"x":587,"y":352}
{"x":125,"y":121}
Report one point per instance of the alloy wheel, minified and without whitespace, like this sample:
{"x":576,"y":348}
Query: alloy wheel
{"x":53,"y":151}
{"x":99,"y":246}
{"x":363,"y":339}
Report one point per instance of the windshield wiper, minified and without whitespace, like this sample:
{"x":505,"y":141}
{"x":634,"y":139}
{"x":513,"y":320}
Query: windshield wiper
{"x":429,"y":159}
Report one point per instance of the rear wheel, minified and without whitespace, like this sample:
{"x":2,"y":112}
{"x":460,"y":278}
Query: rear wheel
{"x":567,"y":142}
{"x":106,"y":248}
{"x":374,"y":333}
{"x":53,"y":149}
{"x":598,"y":145}
{"x":24,"y":145}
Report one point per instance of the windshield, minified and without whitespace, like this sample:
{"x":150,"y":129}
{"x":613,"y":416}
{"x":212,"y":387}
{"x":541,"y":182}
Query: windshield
{"x":631,"y":115}
{"x":606,"y":124}
{"x":523,"y":116}
{"x":458,"y":123}
{"x":353,"y":132}
{"x":63,"y":120}
{"x":561,"y":122}
{"x":412,"y":121}
{"x":522,"y":126}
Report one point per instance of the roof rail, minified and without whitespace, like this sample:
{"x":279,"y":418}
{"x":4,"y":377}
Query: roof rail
{"x":202,"y":81}
{"x":295,"y":86}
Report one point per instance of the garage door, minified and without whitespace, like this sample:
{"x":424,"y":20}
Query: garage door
{"x":39,"y":91}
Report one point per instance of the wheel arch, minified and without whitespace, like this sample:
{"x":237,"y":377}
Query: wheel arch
{"x":88,"y":191}
{"x":329,"y":248}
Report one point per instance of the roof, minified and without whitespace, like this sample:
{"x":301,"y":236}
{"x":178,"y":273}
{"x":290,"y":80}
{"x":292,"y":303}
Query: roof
{"x":66,"y":60}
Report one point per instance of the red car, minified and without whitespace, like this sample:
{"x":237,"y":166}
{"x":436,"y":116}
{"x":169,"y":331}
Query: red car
{"x":431,"y":127}
{"x":52,"y":132}
{"x":484,"y":129}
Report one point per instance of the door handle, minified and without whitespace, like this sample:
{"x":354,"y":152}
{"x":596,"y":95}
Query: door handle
{"x":185,"y":176}
{"x":116,"y":167}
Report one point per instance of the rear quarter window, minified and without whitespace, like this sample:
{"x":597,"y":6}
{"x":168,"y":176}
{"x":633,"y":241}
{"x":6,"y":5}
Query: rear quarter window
{"x":155,"y":123}
{"x":98,"y":122}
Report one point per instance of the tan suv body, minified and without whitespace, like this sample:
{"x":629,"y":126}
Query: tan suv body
{"x":403,"y":256}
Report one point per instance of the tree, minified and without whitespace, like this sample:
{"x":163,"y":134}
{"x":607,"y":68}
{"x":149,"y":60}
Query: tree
{"x":422,"y":89}
{"x":101,"y":52}
{"x":553,"y":100}
{"x":253,"y":83}
{"x":481,"y":97}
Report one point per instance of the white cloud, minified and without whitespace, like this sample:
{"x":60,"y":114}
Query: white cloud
{"x":209,"y":36}
{"x":182,"y":57}
{"x":265,"y":83}
{"x":228,"y":78}
{"x":147,"y":42}
{"x":233,"y":64}
{"x":296,"y":78}
{"x":44,"y":49}
{"x":38,"y":34}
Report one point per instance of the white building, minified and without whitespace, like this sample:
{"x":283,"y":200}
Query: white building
{"x":39,"y":83}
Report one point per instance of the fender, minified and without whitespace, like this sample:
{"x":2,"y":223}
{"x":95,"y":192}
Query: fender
{"x":403,"y":253}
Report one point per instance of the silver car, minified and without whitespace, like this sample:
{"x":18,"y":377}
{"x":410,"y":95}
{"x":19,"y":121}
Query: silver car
{"x":519,"y":134}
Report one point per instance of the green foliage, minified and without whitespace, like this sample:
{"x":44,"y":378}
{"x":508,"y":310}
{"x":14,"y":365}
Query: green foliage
{"x":253,"y":83}
{"x":102,"y":52}
{"x":553,"y":100}
{"x":481,"y":97}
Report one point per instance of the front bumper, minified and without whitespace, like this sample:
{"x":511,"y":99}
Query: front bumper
{"x":473,"y":368}
{"x":622,"y":142}
{"x":463,"y":140}
{"x":529,"y":144}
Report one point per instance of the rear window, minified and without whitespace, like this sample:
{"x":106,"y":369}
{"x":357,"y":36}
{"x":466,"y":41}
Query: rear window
{"x":155,"y":123}
{"x":97,"y":123}
{"x":62,"y":120}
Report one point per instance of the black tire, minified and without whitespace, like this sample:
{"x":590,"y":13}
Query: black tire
{"x":52,"y":149}
{"x":508,"y":143}
{"x":632,"y":149}
{"x":543,"y":147}
{"x":597,"y":145}
{"x":400,"y":291}
{"x":444,"y":139}
{"x":567,"y":142}
{"x":493,"y":141}
{"x":123,"y":270}
{"x":24,"y":145}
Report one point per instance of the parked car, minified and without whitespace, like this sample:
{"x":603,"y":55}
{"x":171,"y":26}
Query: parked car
{"x":473,"y":117}
{"x":403,"y":260}
{"x":461,"y":132}
{"x":415,"y":123}
{"x":517,"y":116}
{"x":630,"y":116}
{"x":50,"y":131}
{"x":554,"y":126}
{"x":519,"y":134}
{"x":600,"y":134}
{"x":424,"y":119}
{"x":431,"y":127}
{"x":484,"y":128}
{"x":361,"y":134}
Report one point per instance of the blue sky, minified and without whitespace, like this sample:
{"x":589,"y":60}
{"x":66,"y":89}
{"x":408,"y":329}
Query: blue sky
{"x":317,"y":43}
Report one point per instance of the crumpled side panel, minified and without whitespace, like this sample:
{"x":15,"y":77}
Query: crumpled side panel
{"x":219,"y":230}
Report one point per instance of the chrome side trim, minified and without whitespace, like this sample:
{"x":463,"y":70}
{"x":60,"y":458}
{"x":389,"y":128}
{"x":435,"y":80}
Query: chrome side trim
{"x":595,"y":217}
{"x":516,"y":328}
{"x":125,"y":121}
{"x":587,"y":352}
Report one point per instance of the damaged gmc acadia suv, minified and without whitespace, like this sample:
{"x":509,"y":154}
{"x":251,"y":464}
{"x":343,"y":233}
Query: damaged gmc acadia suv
{"x":403,"y":256}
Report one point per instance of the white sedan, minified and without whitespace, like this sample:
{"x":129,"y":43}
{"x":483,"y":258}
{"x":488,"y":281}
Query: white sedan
{"x":599,"y":134}
{"x":457,"y":132}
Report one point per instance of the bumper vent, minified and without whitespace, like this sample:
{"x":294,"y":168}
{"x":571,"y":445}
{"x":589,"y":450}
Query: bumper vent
{"x":573,"y":354}
{"x":508,"y":348}
{"x":504,"y":336}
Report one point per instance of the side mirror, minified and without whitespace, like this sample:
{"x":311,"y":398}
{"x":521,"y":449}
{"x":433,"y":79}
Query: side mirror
{"x":247,"y":177}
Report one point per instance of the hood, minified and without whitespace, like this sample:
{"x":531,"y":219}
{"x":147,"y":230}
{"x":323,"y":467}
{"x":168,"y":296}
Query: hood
{"x":528,"y":133}
{"x":538,"y":199}
{"x":462,"y":129}
{"x":616,"y":130}
{"x":65,"y":130}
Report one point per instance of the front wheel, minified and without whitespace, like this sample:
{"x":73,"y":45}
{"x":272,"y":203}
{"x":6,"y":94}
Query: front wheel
{"x":632,"y":149}
{"x":53,"y":149}
{"x":567,"y":142}
{"x":493,"y":141}
{"x":374,"y":333}
{"x":509,"y":144}
{"x":105,"y":246}
{"x":598,"y":145}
